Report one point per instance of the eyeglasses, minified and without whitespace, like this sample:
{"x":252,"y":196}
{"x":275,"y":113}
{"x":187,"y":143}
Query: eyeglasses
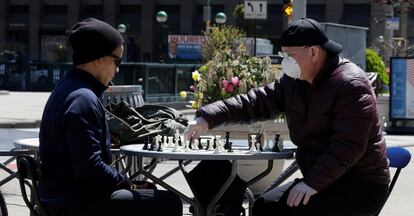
{"x":117,"y":59}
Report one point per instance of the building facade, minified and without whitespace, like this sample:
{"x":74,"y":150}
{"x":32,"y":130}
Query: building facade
{"x":39,"y":27}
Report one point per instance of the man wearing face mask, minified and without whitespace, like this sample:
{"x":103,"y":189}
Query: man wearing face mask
{"x":332,"y":117}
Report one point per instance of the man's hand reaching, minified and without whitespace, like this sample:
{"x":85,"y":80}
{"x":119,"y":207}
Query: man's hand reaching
{"x":196,"y":128}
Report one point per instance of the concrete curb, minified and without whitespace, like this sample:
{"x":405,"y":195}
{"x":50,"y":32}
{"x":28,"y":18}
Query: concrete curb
{"x":4,"y":92}
{"x":20,"y":124}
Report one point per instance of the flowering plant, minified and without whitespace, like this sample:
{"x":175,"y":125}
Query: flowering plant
{"x":230,"y":73}
{"x":229,"y":70}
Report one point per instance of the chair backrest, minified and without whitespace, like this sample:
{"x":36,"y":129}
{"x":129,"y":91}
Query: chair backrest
{"x":29,"y":175}
{"x":399,"y":158}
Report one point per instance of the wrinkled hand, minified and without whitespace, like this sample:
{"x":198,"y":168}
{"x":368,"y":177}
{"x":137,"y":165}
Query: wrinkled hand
{"x":300,"y":192}
{"x":196,"y":128}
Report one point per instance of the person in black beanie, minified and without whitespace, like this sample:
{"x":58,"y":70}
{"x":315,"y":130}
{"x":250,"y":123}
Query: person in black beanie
{"x":76,"y":178}
{"x":331,"y":113}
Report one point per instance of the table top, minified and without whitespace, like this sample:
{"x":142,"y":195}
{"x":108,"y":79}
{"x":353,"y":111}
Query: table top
{"x":237,"y":154}
{"x":29,"y":143}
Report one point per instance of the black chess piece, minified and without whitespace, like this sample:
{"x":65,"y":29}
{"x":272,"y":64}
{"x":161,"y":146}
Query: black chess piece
{"x":179,"y":141}
{"x":258,"y":139}
{"x":214,"y":143}
{"x":190,"y":144}
{"x":145,"y":147}
{"x":276,"y":141}
{"x":230,"y":149}
{"x":208,"y":144}
{"x":226,"y":145}
{"x":199,"y":144}
{"x":159,"y":146}
{"x":153,"y":145}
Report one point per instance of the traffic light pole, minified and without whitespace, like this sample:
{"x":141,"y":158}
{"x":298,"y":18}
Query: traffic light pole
{"x":299,"y":9}
{"x":255,"y":35}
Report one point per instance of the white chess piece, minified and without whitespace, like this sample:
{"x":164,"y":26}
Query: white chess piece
{"x":194,"y":145}
{"x":164,"y":139}
{"x":218,"y":148}
{"x":176,"y":137}
{"x":157,"y":141}
{"x":253,"y":146}
{"x":210,"y":147}
{"x":186,"y":144}
{"x":170,"y":141}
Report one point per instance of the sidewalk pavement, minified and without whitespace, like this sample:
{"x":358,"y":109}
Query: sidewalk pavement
{"x":24,"y":109}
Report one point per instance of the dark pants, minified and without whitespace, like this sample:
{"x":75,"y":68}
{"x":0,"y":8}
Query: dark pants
{"x":346,"y":197}
{"x":122,"y":202}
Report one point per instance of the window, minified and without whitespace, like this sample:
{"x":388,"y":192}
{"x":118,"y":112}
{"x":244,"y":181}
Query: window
{"x":54,"y":16}
{"x":94,"y":11}
{"x":356,"y":14}
{"x":316,"y":12}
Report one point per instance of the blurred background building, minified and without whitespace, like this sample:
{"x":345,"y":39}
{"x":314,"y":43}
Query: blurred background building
{"x":40,"y":26}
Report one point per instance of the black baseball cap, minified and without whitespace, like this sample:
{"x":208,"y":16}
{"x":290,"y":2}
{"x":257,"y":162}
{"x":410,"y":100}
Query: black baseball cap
{"x":308,"y":32}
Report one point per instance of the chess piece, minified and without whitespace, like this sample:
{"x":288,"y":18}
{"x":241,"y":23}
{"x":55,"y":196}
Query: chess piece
{"x":176,"y":136}
{"x":275,"y":143}
{"x":221,"y":146}
{"x":230,"y":149}
{"x":253,"y":145}
{"x":199,"y":144}
{"x":209,"y":145}
{"x":145,"y":147}
{"x":160,"y":146}
{"x":153,"y":144}
{"x":176,"y":141}
{"x":217,"y":150}
{"x":186,"y":146}
{"x":226,"y":145}
{"x":170,"y":141}
{"x":194,"y":145}
{"x":260,"y":141}
{"x":164,"y":141}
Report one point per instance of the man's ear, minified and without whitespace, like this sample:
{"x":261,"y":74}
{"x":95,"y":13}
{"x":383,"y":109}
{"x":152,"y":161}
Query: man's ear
{"x":315,"y":53}
{"x":97,"y":62}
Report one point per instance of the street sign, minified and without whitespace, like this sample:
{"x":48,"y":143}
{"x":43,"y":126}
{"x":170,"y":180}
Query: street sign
{"x":255,"y":9}
{"x":393,"y":23}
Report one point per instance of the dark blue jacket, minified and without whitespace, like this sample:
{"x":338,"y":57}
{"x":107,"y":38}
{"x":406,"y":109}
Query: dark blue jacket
{"x":75,"y":144}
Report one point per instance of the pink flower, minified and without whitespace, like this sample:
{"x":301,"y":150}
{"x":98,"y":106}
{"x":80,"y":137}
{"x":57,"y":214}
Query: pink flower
{"x":235,"y":81}
{"x":230,"y":88}
{"x":225,"y":83}
{"x":192,"y":87}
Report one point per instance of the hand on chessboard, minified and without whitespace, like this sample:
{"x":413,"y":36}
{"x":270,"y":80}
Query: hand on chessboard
{"x":196,"y":128}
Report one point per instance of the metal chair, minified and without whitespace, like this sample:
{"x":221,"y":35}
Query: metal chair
{"x":28,"y":173}
{"x":399,"y":157}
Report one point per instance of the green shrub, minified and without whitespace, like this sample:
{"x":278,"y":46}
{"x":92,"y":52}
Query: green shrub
{"x":374,"y":63}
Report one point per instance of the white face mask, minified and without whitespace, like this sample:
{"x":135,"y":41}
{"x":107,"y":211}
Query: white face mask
{"x":290,"y":67}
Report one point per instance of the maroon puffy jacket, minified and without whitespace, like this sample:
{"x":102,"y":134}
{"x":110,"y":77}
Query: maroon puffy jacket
{"x":333,"y":121}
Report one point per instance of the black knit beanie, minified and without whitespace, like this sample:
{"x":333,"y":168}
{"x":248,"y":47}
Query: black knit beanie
{"x":92,"y":39}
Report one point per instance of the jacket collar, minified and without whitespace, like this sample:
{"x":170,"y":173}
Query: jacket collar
{"x":97,"y":87}
{"x":331,"y":64}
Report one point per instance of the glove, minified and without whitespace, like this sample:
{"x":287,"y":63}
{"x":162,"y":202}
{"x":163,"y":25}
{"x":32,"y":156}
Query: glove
{"x":196,"y":128}
{"x":299,"y":192}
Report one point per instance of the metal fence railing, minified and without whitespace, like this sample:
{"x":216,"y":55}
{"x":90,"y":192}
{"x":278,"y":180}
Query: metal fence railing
{"x":160,"y":82}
